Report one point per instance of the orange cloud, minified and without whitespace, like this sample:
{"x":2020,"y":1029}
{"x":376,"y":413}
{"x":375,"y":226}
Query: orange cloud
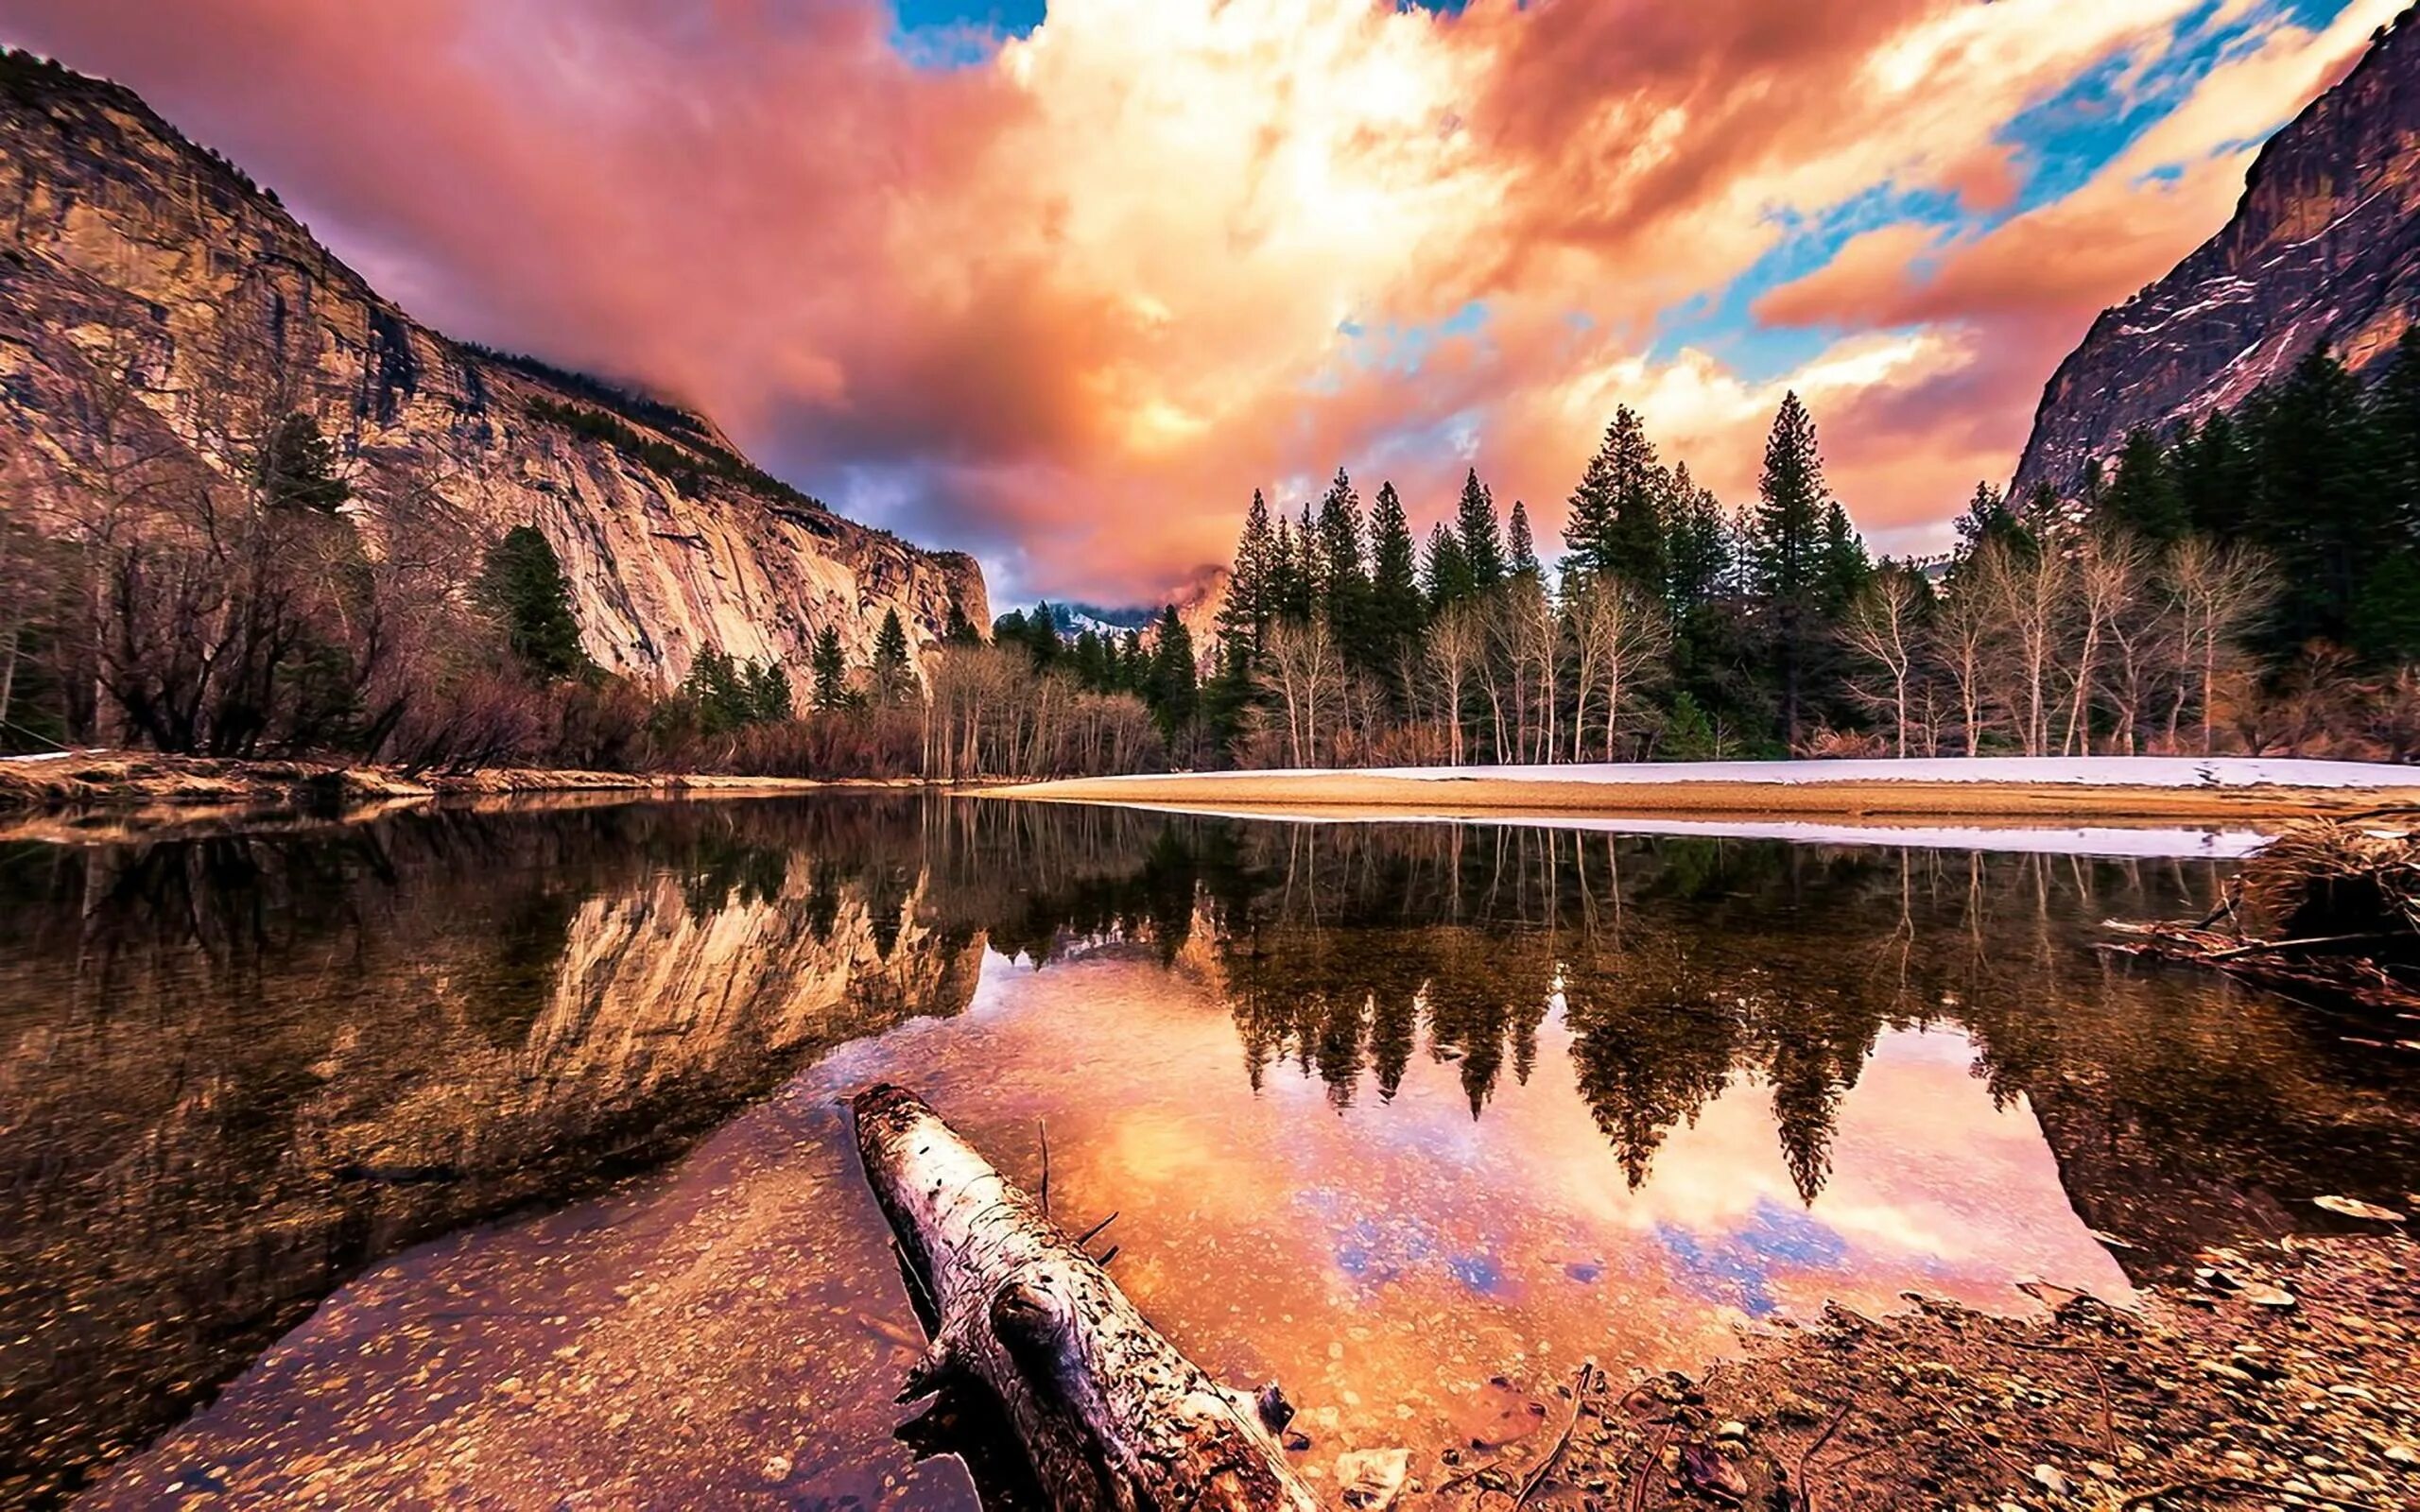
{"x":1069,"y":304}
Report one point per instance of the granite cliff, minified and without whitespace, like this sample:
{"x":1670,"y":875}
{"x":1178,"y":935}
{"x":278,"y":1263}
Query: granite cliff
{"x":134,"y":262}
{"x":2324,"y":249}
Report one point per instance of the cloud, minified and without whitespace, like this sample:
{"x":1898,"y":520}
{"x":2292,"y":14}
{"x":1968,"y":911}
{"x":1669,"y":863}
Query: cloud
{"x":1068,"y":299}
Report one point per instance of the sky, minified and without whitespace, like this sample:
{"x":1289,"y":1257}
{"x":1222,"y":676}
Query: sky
{"x":1062,"y":285}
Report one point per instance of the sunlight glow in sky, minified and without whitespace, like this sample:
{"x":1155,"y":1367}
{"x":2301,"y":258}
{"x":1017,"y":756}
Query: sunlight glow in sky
{"x":1063,"y":288}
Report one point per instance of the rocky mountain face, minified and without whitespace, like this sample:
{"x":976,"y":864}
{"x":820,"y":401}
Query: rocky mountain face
{"x":2324,"y":249}
{"x":140,"y":276}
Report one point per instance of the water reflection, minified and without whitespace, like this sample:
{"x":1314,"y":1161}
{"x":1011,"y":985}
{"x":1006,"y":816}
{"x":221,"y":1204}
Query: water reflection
{"x":1388,"y":1110}
{"x":236,"y":1067}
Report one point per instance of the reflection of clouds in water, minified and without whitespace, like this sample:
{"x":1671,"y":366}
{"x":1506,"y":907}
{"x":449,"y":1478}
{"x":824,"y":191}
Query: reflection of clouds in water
{"x":1381,"y":1251}
{"x":1734,"y":1269}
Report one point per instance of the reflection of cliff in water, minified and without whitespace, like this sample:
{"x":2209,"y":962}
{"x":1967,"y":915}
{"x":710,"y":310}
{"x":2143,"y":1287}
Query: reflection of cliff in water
{"x":2181,"y":1111}
{"x":239,"y":1069}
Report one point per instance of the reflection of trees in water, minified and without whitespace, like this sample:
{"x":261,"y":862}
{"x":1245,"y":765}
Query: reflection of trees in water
{"x":2179,"y":1108}
{"x":1652,"y":1044}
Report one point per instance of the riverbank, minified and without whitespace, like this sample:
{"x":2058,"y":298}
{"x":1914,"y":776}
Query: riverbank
{"x":129,"y":786}
{"x":2141,"y":787}
{"x":2276,"y":1375}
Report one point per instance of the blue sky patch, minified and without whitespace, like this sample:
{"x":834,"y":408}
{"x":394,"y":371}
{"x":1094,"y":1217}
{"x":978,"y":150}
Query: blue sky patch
{"x":942,"y":34}
{"x":2056,"y":145}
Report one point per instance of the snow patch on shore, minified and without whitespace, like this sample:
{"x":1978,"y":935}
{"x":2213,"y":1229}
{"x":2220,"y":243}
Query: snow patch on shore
{"x":2166,"y":842}
{"x":2089,"y":771}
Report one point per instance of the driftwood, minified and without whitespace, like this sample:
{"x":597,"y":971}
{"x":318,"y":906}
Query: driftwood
{"x":2327,"y":914}
{"x":2329,"y":971}
{"x":1112,"y":1416}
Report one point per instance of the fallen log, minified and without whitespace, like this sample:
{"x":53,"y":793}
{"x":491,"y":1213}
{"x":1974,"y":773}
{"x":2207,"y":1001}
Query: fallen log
{"x":2318,"y":972}
{"x":1112,"y":1416}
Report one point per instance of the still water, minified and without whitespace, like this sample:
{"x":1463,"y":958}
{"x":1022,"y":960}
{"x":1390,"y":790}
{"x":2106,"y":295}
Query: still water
{"x":498,"y":1158}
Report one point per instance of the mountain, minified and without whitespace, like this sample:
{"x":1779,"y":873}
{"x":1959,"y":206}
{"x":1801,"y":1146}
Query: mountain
{"x":2323,"y":249}
{"x":136,"y":263}
{"x":1197,"y":599}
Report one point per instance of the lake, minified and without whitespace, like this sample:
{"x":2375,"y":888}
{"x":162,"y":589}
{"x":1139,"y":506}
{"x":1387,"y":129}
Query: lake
{"x":498,"y":1158}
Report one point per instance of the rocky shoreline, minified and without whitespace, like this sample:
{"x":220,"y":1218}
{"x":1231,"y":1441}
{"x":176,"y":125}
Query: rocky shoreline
{"x":2278,"y":1375}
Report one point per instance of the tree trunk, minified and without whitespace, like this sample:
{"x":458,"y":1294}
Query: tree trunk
{"x":1113,"y":1417}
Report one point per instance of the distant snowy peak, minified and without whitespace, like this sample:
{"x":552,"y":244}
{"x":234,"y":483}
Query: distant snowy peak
{"x":2324,"y":249}
{"x":1196,"y":600}
{"x":1112,"y":624}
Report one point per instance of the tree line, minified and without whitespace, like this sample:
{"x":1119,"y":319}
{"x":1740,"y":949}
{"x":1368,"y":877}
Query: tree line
{"x":2247,"y":581}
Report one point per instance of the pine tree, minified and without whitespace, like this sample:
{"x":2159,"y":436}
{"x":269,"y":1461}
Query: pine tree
{"x":1041,"y":635}
{"x":1398,"y":611}
{"x":1449,"y":569}
{"x":724,"y":691}
{"x":1699,"y":545}
{"x":1310,"y":567}
{"x":1480,"y":538}
{"x":1093,"y":667}
{"x":2395,"y":411}
{"x":1244,"y":617}
{"x":2323,"y":514}
{"x":1343,"y":582}
{"x":769,"y":692}
{"x":1588,"y":519}
{"x":827,"y":666}
{"x":2215,"y":476}
{"x":1172,"y":689}
{"x":1987,"y":519}
{"x":1287,"y":596}
{"x":522,"y":584}
{"x":1520,"y":552}
{"x":1618,"y":525}
{"x":1847,"y":569}
{"x":960,"y":631}
{"x":894,"y":681}
{"x":297,"y":467}
{"x":1788,"y":548}
{"x":2144,"y":498}
{"x":1789,"y":515}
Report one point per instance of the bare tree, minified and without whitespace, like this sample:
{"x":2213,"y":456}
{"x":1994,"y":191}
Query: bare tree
{"x":2108,"y":573}
{"x":1531,"y":635}
{"x":1456,"y":641}
{"x":1310,"y":676}
{"x":2222,"y":592}
{"x":2030,"y":598}
{"x":1883,"y":628}
{"x":1967,"y":636}
{"x":2144,"y":640}
{"x":1623,"y":641}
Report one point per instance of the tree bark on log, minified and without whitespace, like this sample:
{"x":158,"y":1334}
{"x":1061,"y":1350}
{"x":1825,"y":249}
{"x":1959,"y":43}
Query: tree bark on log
{"x":1114,"y":1418}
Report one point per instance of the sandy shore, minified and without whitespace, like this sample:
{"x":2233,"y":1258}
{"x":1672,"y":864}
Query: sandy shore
{"x":2098,"y":790}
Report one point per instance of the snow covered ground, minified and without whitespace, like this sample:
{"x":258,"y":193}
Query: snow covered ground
{"x":2061,"y":840}
{"x":2094,"y":771}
